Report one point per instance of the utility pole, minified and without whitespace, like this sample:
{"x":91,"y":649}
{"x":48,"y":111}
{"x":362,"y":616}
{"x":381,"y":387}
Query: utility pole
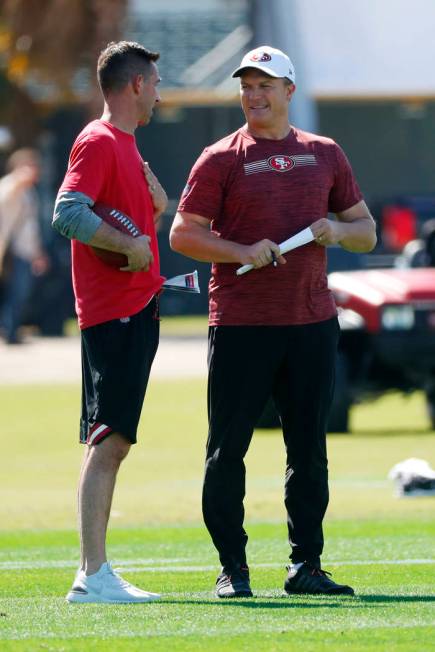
{"x":277,"y":23}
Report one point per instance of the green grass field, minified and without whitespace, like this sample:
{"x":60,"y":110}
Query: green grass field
{"x":380,"y":544}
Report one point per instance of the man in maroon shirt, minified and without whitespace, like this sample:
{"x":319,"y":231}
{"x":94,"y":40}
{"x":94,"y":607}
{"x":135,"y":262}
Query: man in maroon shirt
{"x":273,"y":331}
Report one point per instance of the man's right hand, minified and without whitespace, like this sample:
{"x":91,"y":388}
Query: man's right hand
{"x":191,"y":236}
{"x":260,"y":254}
{"x":139,"y":254}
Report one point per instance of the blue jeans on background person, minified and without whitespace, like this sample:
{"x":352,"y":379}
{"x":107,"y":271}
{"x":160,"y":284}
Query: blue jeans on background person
{"x":16,"y":291}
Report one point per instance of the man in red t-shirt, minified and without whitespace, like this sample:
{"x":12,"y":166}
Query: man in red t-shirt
{"x":274,"y":330}
{"x":117,"y":308}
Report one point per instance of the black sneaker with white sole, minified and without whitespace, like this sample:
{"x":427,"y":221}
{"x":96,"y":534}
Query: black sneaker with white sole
{"x":234,"y":583}
{"x":311,"y":580}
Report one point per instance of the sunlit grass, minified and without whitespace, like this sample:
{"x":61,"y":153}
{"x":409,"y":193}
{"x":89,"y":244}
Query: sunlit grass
{"x":156,"y":534}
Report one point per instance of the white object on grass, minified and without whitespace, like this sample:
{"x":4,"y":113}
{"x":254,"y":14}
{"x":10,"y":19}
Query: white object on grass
{"x":413,"y":477}
{"x":297,"y":240}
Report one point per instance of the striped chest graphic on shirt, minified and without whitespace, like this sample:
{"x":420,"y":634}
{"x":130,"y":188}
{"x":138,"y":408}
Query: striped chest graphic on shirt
{"x":280,"y":163}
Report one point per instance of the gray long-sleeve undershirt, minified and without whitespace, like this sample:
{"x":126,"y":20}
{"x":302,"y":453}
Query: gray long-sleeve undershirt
{"x":73,"y":216}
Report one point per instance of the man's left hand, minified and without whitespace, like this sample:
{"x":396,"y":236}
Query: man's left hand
{"x":326,"y":232}
{"x":158,"y":195}
{"x":40,"y":264}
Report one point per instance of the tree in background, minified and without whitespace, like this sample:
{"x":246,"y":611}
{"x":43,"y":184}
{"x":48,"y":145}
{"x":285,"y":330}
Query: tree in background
{"x":48,"y":51}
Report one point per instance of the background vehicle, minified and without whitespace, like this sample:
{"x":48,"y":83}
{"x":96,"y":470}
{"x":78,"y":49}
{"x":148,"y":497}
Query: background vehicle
{"x":387,"y":320}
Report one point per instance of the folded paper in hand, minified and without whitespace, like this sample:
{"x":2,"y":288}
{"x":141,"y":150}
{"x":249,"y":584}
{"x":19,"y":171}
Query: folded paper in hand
{"x":183,"y":283}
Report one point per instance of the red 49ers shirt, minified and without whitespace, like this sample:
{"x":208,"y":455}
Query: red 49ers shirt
{"x":254,"y":188}
{"x":106,"y":166}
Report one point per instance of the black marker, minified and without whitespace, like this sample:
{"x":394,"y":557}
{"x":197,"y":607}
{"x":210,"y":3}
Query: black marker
{"x":274,"y":263}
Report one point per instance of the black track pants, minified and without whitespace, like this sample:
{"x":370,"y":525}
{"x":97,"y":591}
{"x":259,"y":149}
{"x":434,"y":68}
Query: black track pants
{"x":248,"y":364}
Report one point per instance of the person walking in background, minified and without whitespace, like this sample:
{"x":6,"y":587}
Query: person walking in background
{"x":273,"y":331}
{"x":117,"y":308}
{"x":21,"y":251}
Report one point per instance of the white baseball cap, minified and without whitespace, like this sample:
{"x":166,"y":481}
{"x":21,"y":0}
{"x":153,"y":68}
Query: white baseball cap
{"x":269,"y":60}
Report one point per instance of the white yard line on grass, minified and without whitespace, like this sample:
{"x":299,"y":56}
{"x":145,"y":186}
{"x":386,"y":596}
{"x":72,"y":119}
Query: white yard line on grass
{"x":168,"y":565}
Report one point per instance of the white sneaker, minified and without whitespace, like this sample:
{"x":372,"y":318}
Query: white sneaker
{"x":106,"y":586}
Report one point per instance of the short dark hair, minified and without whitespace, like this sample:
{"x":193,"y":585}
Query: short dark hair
{"x":119,"y":62}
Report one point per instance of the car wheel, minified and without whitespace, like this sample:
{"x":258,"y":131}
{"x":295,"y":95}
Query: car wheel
{"x":341,"y":403}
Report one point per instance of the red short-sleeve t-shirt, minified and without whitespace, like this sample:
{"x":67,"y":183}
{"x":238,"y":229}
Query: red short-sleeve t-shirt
{"x":253,"y":188}
{"x":105,"y":165}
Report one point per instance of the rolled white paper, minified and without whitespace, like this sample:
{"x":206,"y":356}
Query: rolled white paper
{"x":297,"y":240}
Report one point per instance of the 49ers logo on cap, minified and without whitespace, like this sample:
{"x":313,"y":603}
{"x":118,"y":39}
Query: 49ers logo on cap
{"x":281,"y":163}
{"x":261,"y":56}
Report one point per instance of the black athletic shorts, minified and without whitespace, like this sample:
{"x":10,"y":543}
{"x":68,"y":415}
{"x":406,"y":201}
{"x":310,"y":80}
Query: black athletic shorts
{"x":116,"y":362}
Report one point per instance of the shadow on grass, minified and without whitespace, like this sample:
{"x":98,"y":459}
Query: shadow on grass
{"x":395,"y":598}
{"x":270,"y":603}
{"x":300,"y":602}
